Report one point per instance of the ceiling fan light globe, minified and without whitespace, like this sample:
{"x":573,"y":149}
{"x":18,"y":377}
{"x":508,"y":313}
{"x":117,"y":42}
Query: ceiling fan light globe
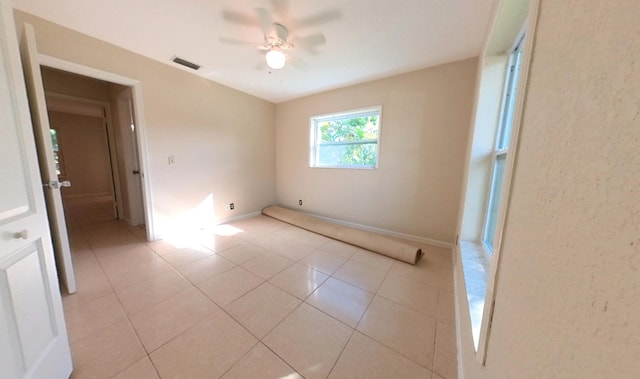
{"x":275,"y":59}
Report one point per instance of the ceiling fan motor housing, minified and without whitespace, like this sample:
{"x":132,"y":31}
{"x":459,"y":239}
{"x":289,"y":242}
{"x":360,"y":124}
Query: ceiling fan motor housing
{"x":278,"y":37}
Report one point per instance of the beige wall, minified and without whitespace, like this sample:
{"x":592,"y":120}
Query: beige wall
{"x":83,"y":142}
{"x":568,"y":294}
{"x":223,"y":140}
{"x":416,"y":189}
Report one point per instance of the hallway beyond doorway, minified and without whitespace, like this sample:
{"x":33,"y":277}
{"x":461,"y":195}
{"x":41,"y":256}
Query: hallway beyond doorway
{"x":88,"y":210}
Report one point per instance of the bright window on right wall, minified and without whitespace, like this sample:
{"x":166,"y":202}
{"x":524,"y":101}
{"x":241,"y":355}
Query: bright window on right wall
{"x":346,"y":140}
{"x":501,"y":150}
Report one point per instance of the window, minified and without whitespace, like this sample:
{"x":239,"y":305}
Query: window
{"x":346,"y":140}
{"x":57,"y":153}
{"x":501,"y":150}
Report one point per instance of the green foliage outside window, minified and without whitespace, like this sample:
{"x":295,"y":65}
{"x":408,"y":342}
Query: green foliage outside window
{"x":350,"y":141}
{"x":57,"y":154}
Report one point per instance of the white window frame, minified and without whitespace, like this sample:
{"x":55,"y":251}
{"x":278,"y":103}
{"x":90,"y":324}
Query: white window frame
{"x":479,"y":271}
{"x":314,"y":137}
{"x":497,"y":193}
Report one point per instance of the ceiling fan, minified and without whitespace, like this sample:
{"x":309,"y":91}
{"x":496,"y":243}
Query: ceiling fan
{"x":278,"y":43}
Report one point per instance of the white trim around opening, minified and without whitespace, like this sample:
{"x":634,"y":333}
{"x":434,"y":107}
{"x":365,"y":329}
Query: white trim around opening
{"x":136,"y":88}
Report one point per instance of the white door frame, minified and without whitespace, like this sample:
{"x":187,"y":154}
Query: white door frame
{"x":136,"y":88}
{"x":105,"y":115}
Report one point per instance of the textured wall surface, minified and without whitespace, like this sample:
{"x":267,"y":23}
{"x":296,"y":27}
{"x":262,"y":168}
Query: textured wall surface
{"x":416,"y":188}
{"x":568,"y":295}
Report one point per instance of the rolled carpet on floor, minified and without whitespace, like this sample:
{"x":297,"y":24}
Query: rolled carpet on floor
{"x":367,"y":240}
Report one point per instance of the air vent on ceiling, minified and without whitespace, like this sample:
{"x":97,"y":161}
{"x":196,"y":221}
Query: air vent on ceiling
{"x":185,"y":63}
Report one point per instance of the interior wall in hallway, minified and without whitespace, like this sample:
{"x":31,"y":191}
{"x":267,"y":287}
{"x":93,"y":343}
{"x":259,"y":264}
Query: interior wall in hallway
{"x":84,"y":146}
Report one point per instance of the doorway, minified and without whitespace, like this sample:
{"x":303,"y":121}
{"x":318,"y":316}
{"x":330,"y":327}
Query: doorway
{"x":82,"y":140}
{"x":94,"y":124}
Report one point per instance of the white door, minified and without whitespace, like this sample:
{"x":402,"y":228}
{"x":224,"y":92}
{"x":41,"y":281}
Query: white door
{"x":131,"y":157}
{"x":33,"y":337}
{"x":49,"y":175}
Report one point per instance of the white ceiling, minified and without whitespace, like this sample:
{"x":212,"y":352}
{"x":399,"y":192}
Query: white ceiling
{"x":370,"y":39}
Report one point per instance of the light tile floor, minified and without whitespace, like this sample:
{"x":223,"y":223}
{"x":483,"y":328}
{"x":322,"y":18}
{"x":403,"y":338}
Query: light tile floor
{"x":260,"y":299}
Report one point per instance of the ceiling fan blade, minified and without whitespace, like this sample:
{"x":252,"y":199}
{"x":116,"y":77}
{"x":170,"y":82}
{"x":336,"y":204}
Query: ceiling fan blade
{"x":318,"y":19}
{"x":282,"y":32}
{"x":261,"y":65}
{"x":281,"y":9}
{"x":265,"y":20}
{"x":238,"y":18}
{"x":310,"y":42}
{"x":233,"y":41}
{"x":262,"y":62}
{"x":297,"y":62}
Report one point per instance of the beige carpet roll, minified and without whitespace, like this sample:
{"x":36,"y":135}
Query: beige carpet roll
{"x":367,"y":240}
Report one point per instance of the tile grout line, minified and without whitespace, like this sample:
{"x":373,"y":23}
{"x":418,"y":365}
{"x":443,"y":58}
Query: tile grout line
{"x":123,"y":310}
{"x":387,"y":274}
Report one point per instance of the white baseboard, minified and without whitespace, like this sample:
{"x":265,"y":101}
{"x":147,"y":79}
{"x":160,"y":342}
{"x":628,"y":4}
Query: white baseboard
{"x":220,"y":221}
{"x":237,"y":218}
{"x":81,"y":195}
{"x":391,"y":233}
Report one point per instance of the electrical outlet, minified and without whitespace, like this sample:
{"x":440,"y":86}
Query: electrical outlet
{"x":172,"y":160}
{"x":300,"y":202}
{"x":232,"y":206}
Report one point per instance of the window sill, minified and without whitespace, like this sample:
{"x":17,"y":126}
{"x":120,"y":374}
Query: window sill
{"x":347,"y":167}
{"x":475,"y":268}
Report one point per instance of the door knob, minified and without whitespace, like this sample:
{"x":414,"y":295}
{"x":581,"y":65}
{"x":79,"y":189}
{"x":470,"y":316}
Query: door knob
{"x":54,"y":184}
{"x":135,"y":172}
{"x":23,"y":234}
